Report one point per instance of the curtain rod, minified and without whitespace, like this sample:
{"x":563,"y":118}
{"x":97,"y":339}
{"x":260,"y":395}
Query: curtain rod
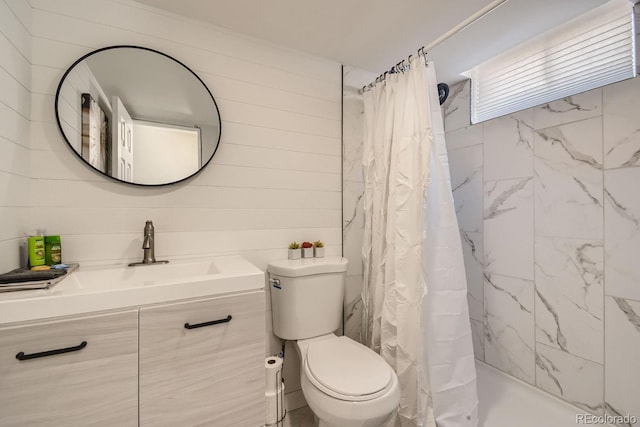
{"x":455,"y":30}
{"x":464,"y":24}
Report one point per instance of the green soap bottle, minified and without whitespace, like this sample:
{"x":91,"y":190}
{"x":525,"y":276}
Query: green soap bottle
{"x":36,"y":251}
{"x":53,"y":250}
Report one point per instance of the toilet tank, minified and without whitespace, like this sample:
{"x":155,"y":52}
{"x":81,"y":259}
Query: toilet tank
{"x":306,"y":296}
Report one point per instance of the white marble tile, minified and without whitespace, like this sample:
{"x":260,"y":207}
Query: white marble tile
{"x":570,"y":109}
{"x":353,"y":225}
{"x":509,"y":326}
{"x":508,"y":146}
{"x":352,"y":138}
{"x":465,"y":165}
{"x":355,"y":78}
{"x":456,"y":110}
{"x":568,"y":169}
{"x":473,"y":256}
{"x":353,"y":288}
{"x":622,"y":233}
{"x":622,"y":357}
{"x":621,"y":108}
{"x":353,"y":319}
{"x":477,"y":336}
{"x":508,"y":227}
{"x":464,"y":137}
{"x":576,"y":380}
{"x":353,"y":307}
{"x":569,"y":295}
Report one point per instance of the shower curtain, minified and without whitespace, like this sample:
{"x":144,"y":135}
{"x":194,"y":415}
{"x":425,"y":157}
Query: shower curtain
{"x":415,"y":311}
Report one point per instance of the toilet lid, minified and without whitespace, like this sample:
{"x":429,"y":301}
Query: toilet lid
{"x":344,"y":369}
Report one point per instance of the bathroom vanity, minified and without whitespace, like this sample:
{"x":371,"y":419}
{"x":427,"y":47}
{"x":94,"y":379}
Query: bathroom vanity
{"x":162,"y":345}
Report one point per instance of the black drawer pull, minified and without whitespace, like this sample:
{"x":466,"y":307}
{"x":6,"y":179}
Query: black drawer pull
{"x":22,"y":356}
{"x":213,"y":322}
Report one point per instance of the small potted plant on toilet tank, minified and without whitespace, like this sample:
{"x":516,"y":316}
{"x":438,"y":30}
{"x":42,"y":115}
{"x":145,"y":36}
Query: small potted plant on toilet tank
{"x":307,"y":250}
{"x":318,"y":249}
{"x":294,"y":250}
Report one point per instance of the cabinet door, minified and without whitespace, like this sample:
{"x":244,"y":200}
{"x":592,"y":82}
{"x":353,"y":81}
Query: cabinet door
{"x":207,"y":374}
{"x":92,"y":384}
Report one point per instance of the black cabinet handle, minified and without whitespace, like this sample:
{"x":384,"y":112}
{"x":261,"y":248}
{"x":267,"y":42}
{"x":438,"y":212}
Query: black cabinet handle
{"x":22,"y":356}
{"x":213,"y":322}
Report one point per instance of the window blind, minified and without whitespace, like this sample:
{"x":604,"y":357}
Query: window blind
{"x":593,"y":50}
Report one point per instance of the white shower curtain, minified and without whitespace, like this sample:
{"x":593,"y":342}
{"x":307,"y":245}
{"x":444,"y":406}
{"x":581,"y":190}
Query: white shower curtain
{"x":415,"y":311}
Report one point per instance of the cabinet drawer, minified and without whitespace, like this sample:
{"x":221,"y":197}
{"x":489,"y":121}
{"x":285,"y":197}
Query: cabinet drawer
{"x":88,"y":385}
{"x":209,"y":375}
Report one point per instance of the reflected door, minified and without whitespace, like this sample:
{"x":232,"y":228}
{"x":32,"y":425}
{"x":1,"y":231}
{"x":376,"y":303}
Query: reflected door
{"x":94,"y":133}
{"x":122,"y":141}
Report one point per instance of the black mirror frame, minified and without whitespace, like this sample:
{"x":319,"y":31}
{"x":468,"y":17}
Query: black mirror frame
{"x":62,"y":80}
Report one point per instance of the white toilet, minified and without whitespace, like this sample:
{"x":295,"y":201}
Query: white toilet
{"x":345,"y":383}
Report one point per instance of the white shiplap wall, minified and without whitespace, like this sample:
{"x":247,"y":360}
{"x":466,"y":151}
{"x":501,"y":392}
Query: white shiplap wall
{"x":15,"y":112}
{"x":275,"y":177}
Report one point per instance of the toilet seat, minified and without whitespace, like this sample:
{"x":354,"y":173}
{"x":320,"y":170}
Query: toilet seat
{"x":347,"y":370}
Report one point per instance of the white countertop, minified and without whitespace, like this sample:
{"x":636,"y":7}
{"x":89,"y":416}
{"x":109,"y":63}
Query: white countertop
{"x":100,"y":288}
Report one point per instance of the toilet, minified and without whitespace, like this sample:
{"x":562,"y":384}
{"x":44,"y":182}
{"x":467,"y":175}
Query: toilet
{"x":344,"y":383}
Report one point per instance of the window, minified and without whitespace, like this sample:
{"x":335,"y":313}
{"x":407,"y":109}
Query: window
{"x":593,"y":50}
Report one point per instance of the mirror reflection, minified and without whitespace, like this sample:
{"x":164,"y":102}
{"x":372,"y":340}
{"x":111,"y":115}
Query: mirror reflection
{"x":138,"y":115}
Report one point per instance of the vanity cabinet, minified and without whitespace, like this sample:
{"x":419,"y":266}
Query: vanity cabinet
{"x":202,"y":362}
{"x":78,"y":372}
{"x":198,"y":362}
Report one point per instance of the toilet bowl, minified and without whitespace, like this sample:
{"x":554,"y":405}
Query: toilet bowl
{"x":344,"y":383}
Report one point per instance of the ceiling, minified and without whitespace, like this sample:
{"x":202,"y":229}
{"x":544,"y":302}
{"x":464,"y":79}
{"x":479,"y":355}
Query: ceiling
{"x":374,"y":35}
{"x":134,"y":75}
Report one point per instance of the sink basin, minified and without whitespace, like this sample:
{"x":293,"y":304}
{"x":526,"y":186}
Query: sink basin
{"x":98,"y":288}
{"x":122,"y":276}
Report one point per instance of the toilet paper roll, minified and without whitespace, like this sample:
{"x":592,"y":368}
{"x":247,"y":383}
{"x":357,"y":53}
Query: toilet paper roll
{"x":273,"y":374}
{"x":274,"y":390}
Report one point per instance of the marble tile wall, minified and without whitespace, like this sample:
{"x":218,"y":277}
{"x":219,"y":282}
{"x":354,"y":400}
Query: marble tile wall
{"x":465,"y":149}
{"x":549,"y":216}
{"x":352,"y":193}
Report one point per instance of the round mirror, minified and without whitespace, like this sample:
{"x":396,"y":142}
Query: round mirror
{"x":137,"y":115}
